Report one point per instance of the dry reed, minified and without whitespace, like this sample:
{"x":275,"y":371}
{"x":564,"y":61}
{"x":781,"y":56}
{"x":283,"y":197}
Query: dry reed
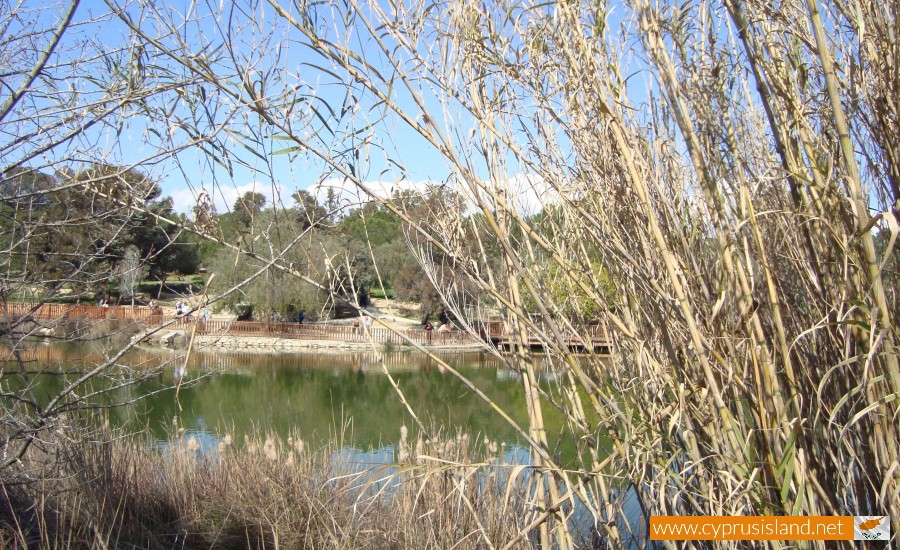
{"x":110,"y":492}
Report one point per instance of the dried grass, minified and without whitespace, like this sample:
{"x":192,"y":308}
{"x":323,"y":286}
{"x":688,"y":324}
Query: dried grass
{"x":269,"y":493}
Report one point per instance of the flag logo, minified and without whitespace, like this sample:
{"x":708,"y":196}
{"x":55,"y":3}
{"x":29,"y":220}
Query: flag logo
{"x":871,"y":528}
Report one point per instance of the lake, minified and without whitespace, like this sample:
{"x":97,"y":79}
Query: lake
{"x":320,"y":397}
{"x":344,"y":402}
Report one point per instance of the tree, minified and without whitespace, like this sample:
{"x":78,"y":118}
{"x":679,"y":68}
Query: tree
{"x":91,"y":221}
{"x":130,"y":273}
{"x":76,"y":231}
{"x":309,"y":211}
{"x":273,"y":291}
{"x":332,"y":206}
{"x":247,"y":207}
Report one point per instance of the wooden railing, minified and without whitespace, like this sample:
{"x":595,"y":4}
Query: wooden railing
{"x":490,"y":331}
{"x":596,"y":333}
{"x":155,"y":316}
{"x":66,"y":311}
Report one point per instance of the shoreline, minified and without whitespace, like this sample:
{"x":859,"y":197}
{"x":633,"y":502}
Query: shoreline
{"x":269,"y":345}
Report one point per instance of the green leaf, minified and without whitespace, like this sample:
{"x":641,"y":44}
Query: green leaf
{"x":287,"y":150}
{"x":856,"y":323}
{"x":324,"y":122}
{"x":254,"y":151}
{"x":788,"y":462}
{"x":851,"y":393}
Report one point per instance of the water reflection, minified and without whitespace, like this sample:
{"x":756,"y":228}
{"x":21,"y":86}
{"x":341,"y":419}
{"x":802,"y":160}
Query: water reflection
{"x":316,"y":397}
{"x":326,"y":400}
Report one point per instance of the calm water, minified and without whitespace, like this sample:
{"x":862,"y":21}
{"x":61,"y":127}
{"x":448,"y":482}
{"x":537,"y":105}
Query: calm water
{"x":322,"y":397}
{"x":319,"y":396}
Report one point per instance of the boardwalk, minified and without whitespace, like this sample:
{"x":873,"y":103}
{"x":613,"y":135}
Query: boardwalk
{"x":589,"y":338}
{"x":592,"y":337}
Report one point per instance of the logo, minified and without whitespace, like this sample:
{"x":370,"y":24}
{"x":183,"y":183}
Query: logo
{"x":871,"y":528}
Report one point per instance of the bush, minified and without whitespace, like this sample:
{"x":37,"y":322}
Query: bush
{"x":244,"y":312}
{"x":377,"y":292}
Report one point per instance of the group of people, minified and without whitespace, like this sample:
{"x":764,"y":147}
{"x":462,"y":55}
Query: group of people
{"x":366,"y":322}
{"x":183,"y":309}
{"x":444,"y":317}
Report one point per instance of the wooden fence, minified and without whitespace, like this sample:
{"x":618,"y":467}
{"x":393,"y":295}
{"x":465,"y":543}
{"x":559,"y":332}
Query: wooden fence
{"x":596,"y":335}
{"x":68,"y":311}
{"x":155,"y":316}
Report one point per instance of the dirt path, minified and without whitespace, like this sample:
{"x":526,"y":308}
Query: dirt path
{"x":396,"y":312}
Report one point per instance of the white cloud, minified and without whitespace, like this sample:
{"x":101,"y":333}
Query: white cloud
{"x":527,"y":193}
{"x":185,"y":199}
{"x":350,"y":196}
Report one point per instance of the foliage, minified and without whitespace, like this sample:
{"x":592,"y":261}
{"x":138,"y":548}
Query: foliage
{"x":367,"y":249}
{"x":86,"y":221}
{"x":272,"y":291}
{"x":372,"y":225}
{"x":566,"y":296}
{"x":309,"y":211}
{"x":247,"y":207}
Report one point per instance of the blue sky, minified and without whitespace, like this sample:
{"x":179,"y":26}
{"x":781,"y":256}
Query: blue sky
{"x":132,"y":140}
{"x":263,"y":43}
{"x":278,"y":175}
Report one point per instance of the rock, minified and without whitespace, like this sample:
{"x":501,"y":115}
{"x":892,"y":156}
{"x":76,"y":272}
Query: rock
{"x":173,"y":338}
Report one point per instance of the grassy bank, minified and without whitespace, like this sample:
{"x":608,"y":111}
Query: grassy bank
{"x":268,"y":493}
